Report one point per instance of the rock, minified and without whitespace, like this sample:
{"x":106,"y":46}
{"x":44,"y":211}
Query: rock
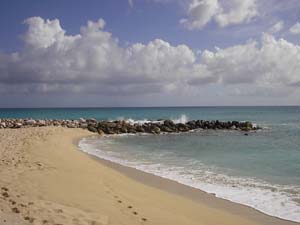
{"x":121,"y":126}
{"x":111,"y":125}
{"x":166,"y":129}
{"x":140,"y":129}
{"x":182,"y":127}
{"x":169,"y":123}
{"x":81,"y":120}
{"x":92,"y":120}
{"x":41,"y":123}
{"x":123,"y":130}
{"x":109,"y":131}
{"x":18,"y":125}
{"x":71,"y":125}
{"x":92,"y":129}
{"x":100,"y":132}
{"x":132,"y":131}
{"x":29,"y":122}
{"x":83,"y":126}
{"x":155,"y":130}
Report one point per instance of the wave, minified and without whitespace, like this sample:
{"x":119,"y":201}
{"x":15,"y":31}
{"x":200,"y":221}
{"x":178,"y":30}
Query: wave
{"x":276,"y":200}
{"x":182,"y":119}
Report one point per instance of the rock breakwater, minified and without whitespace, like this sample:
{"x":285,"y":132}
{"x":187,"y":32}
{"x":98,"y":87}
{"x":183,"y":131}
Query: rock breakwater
{"x":123,"y":126}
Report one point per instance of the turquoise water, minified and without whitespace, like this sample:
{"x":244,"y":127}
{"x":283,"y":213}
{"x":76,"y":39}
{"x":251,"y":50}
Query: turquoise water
{"x":261,"y":170}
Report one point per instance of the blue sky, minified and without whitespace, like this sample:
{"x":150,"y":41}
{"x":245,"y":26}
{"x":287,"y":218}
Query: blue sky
{"x":143,"y":22}
{"x":189,"y":52}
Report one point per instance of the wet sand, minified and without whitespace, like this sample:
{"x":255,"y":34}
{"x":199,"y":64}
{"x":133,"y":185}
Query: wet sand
{"x":45,"y":179}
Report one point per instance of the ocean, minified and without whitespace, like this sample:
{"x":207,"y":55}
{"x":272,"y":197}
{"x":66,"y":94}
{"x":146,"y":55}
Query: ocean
{"x":261,"y":170}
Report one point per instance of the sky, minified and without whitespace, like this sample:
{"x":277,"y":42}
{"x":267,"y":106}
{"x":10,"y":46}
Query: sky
{"x":118,"y":53}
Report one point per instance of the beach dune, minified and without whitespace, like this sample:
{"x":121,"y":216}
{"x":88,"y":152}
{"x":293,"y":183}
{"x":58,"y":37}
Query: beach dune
{"x":45,"y":179}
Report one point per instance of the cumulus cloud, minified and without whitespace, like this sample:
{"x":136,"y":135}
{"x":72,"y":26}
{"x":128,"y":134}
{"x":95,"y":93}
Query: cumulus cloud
{"x":94,"y":62}
{"x":271,"y":64}
{"x":295,"y":29}
{"x":52,"y":60}
{"x":224,"y":13}
{"x":276,"y":27}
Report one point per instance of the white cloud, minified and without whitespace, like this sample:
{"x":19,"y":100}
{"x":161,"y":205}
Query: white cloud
{"x":276,"y":27}
{"x":224,"y":13}
{"x":237,"y":12}
{"x":90,"y":61}
{"x":295,"y":29}
{"x":269,"y":64}
{"x":94,"y":62}
{"x":200,"y":12}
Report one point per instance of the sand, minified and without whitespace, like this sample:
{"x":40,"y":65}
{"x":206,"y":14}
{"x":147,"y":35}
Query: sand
{"x":45,"y":179}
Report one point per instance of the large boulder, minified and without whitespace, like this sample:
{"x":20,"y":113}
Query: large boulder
{"x":165,"y":128}
{"x":182,"y":127}
{"x":18,"y":125}
{"x":3,"y":124}
{"x":41,"y":123}
{"x":155,"y":129}
{"x":81,"y":120}
{"x":169,"y":123}
{"x":92,"y":129}
{"x":29,"y":122}
{"x":83,"y":125}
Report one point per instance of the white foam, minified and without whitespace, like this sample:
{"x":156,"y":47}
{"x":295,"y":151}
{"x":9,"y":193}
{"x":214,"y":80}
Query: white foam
{"x":271,"y":199}
{"x":182,"y":119}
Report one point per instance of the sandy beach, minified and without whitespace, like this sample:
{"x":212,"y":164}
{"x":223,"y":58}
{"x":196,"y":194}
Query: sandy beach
{"x":45,"y":179}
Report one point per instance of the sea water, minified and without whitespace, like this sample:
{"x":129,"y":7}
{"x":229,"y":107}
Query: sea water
{"x":261,"y":170}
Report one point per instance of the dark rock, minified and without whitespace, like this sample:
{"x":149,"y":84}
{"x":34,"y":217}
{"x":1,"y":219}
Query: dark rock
{"x":140,"y":129}
{"x":92,"y":129}
{"x":155,"y":130}
{"x":166,"y":129}
{"x":169,"y":123}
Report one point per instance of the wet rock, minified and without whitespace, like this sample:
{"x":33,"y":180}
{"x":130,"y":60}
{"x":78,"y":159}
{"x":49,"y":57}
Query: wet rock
{"x":164,"y":128}
{"x":122,"y":126}
{"x":155,"y":130}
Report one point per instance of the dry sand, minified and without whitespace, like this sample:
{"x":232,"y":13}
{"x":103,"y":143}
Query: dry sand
{"x":44,"y":179}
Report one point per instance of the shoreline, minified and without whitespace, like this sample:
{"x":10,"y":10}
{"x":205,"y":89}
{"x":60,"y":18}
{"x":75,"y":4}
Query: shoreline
{"x":194,"y":194}
{"x":50,"y":181}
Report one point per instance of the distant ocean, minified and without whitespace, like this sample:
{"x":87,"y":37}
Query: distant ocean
{"x":261,"y":170}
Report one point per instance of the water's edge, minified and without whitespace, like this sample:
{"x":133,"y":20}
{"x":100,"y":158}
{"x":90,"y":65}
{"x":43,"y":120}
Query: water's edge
{"x":195,"y":194}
